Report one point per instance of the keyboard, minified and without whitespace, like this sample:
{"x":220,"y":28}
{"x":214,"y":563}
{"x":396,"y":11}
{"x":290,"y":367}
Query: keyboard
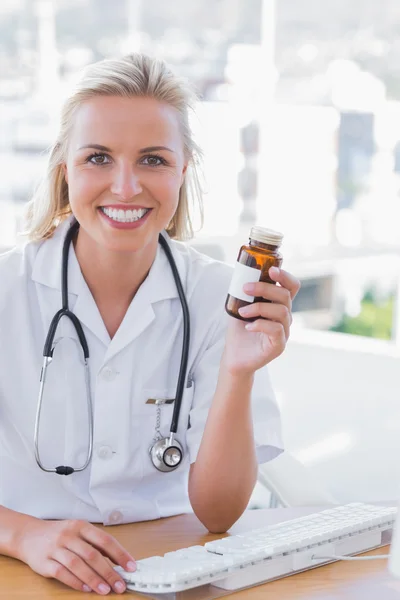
{"x":261,"y":555}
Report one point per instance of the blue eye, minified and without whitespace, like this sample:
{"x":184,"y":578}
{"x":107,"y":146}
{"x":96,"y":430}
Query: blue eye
{"x":98,"y":158}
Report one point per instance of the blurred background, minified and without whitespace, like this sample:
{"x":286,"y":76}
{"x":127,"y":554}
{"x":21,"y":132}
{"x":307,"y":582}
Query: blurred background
{"x":299,"y":120}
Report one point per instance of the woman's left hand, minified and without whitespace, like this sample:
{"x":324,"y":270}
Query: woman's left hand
{"x":250,"y":346}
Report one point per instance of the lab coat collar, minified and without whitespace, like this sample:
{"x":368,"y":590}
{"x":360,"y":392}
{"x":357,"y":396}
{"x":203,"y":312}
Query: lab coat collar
{"x":47,"y":266}
{"x":159,"y":285}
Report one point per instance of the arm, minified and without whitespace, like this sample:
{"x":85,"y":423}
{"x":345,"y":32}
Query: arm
{"x":12,"y":524}
{"x":223,"y":477}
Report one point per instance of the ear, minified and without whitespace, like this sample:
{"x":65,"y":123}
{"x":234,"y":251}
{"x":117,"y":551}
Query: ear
{"x":185,"y":166}
{"x":65,"y":170}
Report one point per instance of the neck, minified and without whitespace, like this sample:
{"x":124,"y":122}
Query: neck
{"x":112,"y":277}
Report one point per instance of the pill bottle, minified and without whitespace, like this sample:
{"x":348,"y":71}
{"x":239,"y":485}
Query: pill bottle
{"x":253,"y":263}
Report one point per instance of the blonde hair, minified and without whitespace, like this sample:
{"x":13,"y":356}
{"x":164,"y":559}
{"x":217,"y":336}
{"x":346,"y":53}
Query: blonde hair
{"x":131,"y":76}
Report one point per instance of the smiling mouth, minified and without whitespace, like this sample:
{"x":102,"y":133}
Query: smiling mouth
{"x":124,"y":216}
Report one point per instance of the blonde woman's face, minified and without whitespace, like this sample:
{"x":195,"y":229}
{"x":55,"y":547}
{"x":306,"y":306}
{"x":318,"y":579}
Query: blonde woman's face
{"x":124,"y":168}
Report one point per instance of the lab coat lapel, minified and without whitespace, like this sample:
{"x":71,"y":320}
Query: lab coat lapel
{"x":85,"y":308}
{"x":158,"y":286}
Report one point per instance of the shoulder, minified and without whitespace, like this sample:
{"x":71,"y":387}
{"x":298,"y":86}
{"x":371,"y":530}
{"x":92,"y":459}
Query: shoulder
{"x":16,"y":269}
{"x":204,"y":275}
{"x":19,"y":260}
{"x":206,"y":286}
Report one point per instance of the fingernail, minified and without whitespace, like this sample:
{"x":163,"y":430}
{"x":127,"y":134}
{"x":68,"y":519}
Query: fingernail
{"x":274,"y":271}
{"x":131,"y":566}
{"x":250,"y":326}
{"x":244,"y":310}
{"x":119,"y":586}
{"x":104,"y":589}
{"x":249,"y":288}
{"x":86,"y":588}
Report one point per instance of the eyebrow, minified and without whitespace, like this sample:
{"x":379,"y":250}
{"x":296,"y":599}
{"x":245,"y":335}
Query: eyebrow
{"x":141,"y":151}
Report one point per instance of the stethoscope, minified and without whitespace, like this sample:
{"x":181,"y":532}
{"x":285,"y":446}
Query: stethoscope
{"x":166,"y":452}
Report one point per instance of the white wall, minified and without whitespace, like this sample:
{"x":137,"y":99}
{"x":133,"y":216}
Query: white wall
{"x":340,"y":402}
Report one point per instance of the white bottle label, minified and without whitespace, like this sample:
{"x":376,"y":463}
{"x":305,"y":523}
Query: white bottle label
{"x":241,"y":275}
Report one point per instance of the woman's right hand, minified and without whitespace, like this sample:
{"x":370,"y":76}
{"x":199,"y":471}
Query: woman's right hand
{"x":76,"y":553}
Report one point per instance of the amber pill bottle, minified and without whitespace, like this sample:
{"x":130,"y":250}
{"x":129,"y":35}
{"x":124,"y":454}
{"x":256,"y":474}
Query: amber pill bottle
{"x":253,"y":264}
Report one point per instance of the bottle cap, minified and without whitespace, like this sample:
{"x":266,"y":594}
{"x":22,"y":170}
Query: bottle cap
{"x":266,"y":236}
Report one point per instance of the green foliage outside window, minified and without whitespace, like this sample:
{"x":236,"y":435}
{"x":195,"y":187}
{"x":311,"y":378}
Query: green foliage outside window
{"x":375,"y":318}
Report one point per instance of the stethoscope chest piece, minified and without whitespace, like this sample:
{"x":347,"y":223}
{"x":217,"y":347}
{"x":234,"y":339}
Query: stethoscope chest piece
{"x":166,"y":456}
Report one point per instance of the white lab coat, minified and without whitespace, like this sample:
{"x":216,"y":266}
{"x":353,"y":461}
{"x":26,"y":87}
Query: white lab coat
{"x":141,"y":362}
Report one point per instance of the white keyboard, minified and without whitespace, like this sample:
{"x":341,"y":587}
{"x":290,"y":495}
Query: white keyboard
{"x":248,"y":559}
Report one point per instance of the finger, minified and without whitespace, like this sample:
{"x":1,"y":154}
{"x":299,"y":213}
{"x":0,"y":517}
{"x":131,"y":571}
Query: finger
{"x":274,"y":331}
{"x":108,"y":545}
{"x":266,"y":310}
{"x":100,"y":565}
{"x":80,"y":569}
{"x":58,"y":571}
{"x":285,"y":279}
{"x":269,"y":291}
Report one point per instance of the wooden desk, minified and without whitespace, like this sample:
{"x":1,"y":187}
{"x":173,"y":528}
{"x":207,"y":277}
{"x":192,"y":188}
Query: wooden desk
{"x":364,"y":580}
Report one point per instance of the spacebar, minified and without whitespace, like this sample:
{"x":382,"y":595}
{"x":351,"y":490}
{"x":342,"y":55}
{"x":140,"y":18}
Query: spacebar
{"x":255,"y":574}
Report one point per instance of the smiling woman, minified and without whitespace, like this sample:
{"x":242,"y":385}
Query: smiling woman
{"x":154,"y":99}
{"x":165,"y":379}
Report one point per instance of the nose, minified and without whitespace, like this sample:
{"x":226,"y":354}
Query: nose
{"x":125,"y":182}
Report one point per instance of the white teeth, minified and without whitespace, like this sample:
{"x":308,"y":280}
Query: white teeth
{"x":124,"y":216}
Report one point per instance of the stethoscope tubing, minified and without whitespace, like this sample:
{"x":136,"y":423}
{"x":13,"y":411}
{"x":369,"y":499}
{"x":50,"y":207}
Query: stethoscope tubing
{"x":49,"y":349}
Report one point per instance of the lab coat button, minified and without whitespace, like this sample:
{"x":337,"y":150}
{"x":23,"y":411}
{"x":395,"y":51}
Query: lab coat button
{"x":104,"y":452}
{"x":108,"y":373}
{"x":115,"y":517}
